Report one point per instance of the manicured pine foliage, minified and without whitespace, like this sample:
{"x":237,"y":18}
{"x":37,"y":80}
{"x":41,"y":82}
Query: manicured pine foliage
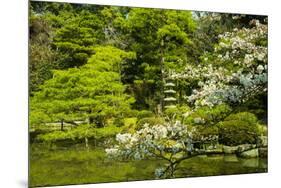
{"x":92,"y":93}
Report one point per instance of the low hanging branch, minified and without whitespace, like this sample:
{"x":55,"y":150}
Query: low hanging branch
{"x":171,"y":142}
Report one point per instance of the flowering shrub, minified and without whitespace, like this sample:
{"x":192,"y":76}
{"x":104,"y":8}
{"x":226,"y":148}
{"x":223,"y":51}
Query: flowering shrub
{"x":171,"y":142}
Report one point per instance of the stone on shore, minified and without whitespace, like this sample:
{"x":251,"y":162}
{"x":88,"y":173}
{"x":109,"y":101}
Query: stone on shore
{"x":250,"y":153}
{"x":229,"y":149}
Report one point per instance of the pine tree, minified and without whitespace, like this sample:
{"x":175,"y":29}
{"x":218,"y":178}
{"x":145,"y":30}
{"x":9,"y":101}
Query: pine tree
{"x":93,"y":92}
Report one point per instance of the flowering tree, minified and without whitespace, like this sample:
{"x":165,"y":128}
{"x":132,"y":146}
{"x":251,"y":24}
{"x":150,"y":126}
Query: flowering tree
{"x":171,"y":142}
{"x":236,"y":71}
{"x":233,"y":75}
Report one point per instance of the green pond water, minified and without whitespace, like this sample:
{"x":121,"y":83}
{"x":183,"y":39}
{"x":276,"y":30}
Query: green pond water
{"x":61,"y":166}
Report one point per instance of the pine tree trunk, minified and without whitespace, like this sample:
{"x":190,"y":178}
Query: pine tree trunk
{"x":61,"y":125}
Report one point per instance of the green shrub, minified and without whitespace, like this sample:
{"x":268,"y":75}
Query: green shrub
{"x":205,"y":131}
{"x":130,"y":125}
{"x":207,"y":115}
{"x":119,"y":122}
{"x":240,"y":128}
{"x":243,"y":116}
{"x":106,"y":132}
{"x":144,"y":114}
{"x":130,"y":121}
{"x":262,"y":129}
{"x":151,"y":121}
{"x":132,"y":113}
{"x":177,"y":112}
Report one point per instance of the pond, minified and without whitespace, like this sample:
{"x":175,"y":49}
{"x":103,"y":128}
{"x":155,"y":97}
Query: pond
{"x":75,"y":165}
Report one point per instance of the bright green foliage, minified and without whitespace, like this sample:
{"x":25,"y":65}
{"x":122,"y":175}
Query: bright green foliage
{"x":93,"y":92}
{"x":208,"y":116}
{"x":238,"y":129}
{"x":81,"y":132}
{"x":206,"y":119}
{"x":161,"y":41}
{"x":144,"y":114}
{"x":203,"y":131}
{"x":177,"y":113}
{"x":77,"y":36}
{"x":115,"y":20}
{"x":130,"y":125}
{"x":109,"y":59}
{"x":37,"y":118}
{"x":243,"y":116}
{"x":76,"y":29}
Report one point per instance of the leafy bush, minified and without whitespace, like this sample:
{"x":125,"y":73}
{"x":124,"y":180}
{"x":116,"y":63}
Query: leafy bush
{"x":207,"y":115}
{"x":262,"y":129}
{"x":205,"y":132}
{"x":132,"y":113}
{"x":144,"y":114}
{"x":177,"y":112}
{"x":240,"y":128}
{"x":130,"y":121}
{"x":243,"y":116}
{"x":130,"y":125}
{"x":119,"y":122}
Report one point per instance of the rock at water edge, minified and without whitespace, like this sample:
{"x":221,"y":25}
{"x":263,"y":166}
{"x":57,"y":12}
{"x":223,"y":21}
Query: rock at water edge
{"x":250,"y":153}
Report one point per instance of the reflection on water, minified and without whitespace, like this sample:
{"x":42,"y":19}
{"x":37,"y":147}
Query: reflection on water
{"x":78,"y":166}
{"x":255,"y":163}
{"x":245,"y":162}
{"x":221,"y":165}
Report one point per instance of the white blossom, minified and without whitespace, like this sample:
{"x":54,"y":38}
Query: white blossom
{"x":216,"y":83}
{"x":260,"y":69}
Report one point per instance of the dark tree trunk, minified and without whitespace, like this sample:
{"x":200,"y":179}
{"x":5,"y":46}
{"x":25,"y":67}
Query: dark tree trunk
{"x":61,"y":125}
